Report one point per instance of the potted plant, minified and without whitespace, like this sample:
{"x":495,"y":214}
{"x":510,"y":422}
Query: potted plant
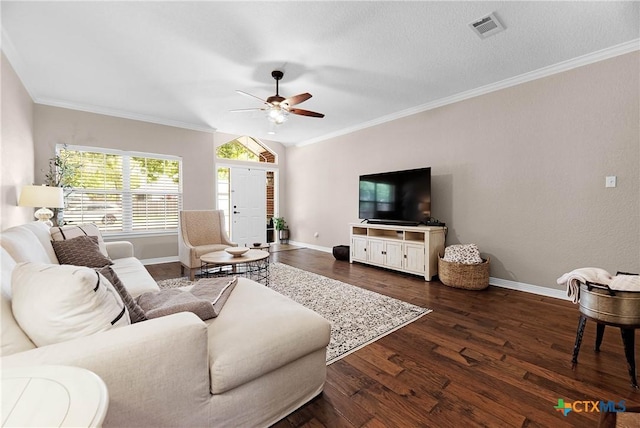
{"x":280,"y":224}
{"x":62,"y":172}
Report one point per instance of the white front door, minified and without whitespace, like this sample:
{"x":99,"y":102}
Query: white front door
{"x":248,"y":206}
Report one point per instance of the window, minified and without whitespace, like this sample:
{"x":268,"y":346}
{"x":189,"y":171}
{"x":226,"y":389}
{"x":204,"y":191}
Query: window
{"x":124,"y":192}
{"x":224,"y":196}
{"x":246,"y":149}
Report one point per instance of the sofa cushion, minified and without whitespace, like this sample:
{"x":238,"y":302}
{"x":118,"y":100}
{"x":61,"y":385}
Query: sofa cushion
{"x":81,"y":251}
{"x":274,"y":331}
{"x":134,"y":276}
{"x":41,"y":230}
{"x":24,"y":246}
{"x":56,"y":303}
{"x":12,"y":338}
{"x":69,"y":231}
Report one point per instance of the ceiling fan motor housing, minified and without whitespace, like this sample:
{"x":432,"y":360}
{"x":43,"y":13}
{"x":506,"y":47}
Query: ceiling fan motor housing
{"x":275,"y":99}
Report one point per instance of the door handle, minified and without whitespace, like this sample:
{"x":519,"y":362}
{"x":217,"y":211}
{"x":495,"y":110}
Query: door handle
{"x":236,"y":212}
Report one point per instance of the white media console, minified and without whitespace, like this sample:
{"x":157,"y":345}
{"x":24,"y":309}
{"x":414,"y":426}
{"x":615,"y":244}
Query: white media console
{"x":411,"y":249}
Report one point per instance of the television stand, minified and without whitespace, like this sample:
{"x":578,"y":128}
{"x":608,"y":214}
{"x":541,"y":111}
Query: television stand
{"x":410,"y":249}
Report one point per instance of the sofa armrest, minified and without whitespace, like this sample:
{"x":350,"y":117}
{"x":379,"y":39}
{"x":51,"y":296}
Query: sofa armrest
{"x":154,"y":370}
{"x":119,"y":249}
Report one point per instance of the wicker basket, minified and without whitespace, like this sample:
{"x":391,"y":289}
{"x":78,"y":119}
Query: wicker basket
{"x":460,"y":275}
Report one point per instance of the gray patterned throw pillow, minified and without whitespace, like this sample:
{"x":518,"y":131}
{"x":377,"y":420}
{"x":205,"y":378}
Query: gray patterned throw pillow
{"x":80,"y":251}
{"x":135,"y":311}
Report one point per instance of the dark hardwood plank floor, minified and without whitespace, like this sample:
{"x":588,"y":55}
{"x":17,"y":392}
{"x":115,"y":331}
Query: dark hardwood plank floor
{"x":496,"y":358}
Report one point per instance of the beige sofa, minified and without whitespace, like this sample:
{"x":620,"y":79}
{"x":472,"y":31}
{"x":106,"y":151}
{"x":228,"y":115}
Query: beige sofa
{"x":259,"y":360}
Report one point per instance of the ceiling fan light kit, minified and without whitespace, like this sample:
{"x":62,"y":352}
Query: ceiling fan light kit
{"x":278,"y":108}
{"x":277,"y":114}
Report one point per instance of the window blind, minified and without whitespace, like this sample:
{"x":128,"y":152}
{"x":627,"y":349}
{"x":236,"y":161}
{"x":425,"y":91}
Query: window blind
{"x":124,"y":192}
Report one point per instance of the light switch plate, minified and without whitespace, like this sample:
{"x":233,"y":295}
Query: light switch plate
{"x":610,"y":181}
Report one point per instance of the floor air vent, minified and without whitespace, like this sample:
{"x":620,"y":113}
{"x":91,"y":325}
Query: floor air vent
{"x":486,"y":26}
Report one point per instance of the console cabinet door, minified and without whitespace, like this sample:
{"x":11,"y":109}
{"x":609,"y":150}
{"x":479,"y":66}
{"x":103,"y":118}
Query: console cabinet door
{"x":393,"y":254}
{"x":359,"y":249}
{"x":376,"y":251}
{"x":385,"y":253}
{"x":414,"y":258}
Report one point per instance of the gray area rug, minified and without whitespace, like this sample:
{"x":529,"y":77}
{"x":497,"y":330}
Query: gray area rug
{"x":357,"y":316}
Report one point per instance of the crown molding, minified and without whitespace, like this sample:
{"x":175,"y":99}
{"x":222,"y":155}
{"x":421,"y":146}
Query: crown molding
{"x":124,"y":115}
{"x":601,"y":55}
{"x":18,"y":65}
{"x":14,"y":59}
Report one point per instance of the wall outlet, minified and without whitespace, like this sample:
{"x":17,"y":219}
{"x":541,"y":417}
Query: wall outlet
{"x":610,"y":181}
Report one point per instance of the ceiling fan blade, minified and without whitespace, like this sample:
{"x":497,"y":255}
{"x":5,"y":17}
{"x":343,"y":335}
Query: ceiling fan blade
{"x":305,"y":112}
{"x":242,"y":110}
{"x":250,"y":95}
{"x":297,"y":99}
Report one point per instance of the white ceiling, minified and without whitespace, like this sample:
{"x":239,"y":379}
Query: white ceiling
{"x":180,"y":63}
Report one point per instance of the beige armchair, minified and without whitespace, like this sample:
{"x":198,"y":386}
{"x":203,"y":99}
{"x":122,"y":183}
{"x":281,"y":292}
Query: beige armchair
{"x":200,"y":232}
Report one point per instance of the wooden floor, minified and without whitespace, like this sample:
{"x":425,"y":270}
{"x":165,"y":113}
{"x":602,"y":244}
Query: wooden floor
{"x":496,"y":358}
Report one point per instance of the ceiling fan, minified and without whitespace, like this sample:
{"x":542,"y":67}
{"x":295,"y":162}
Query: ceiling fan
{"x":278,"y":107}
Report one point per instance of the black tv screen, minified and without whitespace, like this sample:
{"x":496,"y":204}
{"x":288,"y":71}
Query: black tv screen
{"x":396,"y":197}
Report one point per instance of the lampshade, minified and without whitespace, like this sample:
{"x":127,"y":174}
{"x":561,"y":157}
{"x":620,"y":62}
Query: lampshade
{"x":41,"y":196}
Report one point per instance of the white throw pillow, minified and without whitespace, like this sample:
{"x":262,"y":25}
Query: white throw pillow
{"x":462,"y":253}
{"x":69,"y":232}
{"x":56,"y":303}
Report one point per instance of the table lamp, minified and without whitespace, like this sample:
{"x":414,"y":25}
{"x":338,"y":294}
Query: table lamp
{"x":42,"y":196}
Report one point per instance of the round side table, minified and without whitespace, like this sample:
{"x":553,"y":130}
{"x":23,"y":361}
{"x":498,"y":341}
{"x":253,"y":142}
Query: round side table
{"x":254,"y":264}
{"x":47,"y":396}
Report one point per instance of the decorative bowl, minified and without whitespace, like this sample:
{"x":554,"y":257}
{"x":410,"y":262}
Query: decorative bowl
{"x":236,"y":251}
{"x":257,"y":244}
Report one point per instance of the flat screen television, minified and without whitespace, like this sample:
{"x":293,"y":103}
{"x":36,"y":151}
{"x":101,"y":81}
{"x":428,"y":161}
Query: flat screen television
{"x":398,"y":197}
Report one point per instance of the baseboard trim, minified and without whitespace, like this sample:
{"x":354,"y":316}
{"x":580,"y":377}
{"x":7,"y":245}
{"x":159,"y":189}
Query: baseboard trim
{"x":529,"y":288}
{"x":159,"y":260}
{"x":497,"y":282}
{"x":313,"y":247}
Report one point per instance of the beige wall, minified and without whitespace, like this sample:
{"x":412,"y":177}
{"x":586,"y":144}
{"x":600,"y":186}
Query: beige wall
{"x":16,"y":148}
{"x":54,"y":125}
{"x":520,"y":172}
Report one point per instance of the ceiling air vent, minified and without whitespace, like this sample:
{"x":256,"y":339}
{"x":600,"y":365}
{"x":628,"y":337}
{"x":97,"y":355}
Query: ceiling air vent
{"x":486,"y":26}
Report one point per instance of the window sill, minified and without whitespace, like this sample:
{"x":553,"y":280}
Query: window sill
{"x":118,"y":236}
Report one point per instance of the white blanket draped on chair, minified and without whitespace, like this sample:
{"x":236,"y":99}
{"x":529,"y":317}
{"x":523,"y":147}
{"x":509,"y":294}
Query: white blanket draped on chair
{"x":573,"y":279}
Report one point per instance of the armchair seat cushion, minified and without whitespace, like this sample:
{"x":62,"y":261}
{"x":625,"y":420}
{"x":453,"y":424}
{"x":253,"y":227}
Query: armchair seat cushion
{"x":210,"y":248}
{"x":275,"y":331}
